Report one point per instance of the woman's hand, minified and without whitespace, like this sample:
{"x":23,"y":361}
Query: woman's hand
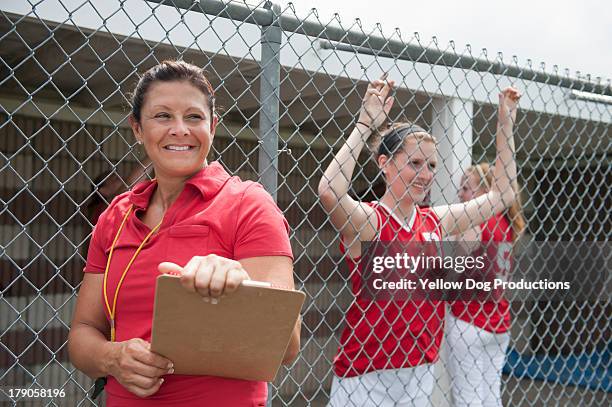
{"x":138,"y":369}
{"x":377,"y":102}
{"x":211,"y":276}
{"x":508,"y":104}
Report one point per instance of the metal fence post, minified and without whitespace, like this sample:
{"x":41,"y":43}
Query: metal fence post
{"x":452,"y":124}
{"x":269,"y":99}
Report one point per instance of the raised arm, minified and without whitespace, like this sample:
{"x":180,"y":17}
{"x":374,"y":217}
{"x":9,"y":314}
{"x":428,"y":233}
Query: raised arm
{"x":458,"y":218}
{"x":350,"y":217}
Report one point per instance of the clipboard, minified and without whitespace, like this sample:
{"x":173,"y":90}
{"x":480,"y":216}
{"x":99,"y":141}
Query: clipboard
{"x":244,"y":336}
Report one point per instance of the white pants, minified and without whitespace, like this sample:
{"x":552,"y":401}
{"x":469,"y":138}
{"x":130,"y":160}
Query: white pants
{"x":475,"y":361}
{"x":395,"y":387}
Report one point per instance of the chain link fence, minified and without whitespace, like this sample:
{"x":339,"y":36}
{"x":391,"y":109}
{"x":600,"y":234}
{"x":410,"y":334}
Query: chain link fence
{"x":290,"y":89}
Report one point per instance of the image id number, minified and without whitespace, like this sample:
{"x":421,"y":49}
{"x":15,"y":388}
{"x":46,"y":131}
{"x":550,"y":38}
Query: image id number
{"x":36,"y":393}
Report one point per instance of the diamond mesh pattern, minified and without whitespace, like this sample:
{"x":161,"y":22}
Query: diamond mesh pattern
{"x":67,"y":67}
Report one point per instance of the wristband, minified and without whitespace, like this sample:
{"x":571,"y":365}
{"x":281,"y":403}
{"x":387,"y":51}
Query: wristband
{"x":372,"y":129}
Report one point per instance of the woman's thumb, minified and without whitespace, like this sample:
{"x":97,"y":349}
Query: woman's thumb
{"x":167,"y":267}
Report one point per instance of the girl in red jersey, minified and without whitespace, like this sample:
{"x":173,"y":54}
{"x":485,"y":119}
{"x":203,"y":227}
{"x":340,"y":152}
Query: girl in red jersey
{"x":477,"y":332}
{"x":387,"y":348}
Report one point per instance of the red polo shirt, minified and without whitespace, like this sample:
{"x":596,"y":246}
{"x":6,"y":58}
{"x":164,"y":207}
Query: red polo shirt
{"x":215,"y":213}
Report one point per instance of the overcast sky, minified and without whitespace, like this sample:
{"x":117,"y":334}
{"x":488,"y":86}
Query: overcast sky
{"x":571,"y":34}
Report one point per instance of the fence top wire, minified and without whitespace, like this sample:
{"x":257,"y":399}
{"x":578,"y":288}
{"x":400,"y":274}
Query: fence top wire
{"x":354,"y":41}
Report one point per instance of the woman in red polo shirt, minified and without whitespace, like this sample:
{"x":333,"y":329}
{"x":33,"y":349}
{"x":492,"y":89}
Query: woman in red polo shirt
{"x":387,"y":348}
{"x":477,"y":332}
{"x":192,"y":218}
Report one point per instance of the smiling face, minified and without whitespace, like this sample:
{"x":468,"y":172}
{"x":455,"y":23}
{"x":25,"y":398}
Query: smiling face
{"x":471,"y":186}
{"x":410,"y":172}
{"x":176,"y":128}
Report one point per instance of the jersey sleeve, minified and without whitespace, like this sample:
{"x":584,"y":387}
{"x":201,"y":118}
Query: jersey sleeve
{"x":261,"y":228}
{"x":96,"y":254}
{"x":497,"y":229}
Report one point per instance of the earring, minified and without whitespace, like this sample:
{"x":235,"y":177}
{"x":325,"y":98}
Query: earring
{"x":137,"y":149}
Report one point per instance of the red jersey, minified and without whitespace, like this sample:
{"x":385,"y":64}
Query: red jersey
{"x":492,"y":316}
{"x":215,"y":213}
{"x":386,"y":334}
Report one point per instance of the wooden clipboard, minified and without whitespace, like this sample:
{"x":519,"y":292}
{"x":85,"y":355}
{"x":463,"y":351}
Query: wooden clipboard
{"x":244,"y":336}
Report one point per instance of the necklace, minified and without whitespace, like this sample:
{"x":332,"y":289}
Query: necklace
{"x":112,"y":310}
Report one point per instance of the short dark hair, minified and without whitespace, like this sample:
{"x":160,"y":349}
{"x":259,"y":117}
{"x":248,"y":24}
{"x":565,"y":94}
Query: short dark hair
{"x":168,"y":71}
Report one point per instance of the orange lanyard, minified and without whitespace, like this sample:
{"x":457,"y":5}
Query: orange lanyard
{"x":111,"y":311}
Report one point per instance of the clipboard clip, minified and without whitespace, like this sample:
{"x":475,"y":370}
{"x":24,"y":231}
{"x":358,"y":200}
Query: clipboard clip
{"x":246,"y":283}
{"x":253,"y":283}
